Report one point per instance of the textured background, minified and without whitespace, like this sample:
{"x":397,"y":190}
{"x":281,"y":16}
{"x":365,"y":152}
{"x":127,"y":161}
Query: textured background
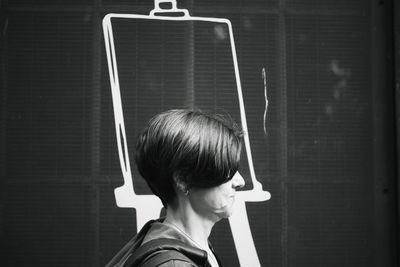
{"x":328,"y":157}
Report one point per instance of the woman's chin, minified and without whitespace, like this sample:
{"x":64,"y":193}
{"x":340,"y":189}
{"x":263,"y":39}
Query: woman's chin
{"x":226,"y":213}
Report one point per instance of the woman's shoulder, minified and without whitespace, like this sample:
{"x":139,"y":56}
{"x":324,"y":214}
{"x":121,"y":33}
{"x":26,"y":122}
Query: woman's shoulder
{"x":168,"y":252}
{"x":155,"y":239}
{"x":169,"y":258}
{"x":177,"y":263}
{"x":164,"y":253}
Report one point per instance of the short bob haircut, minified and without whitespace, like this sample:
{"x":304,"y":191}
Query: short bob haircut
{"x":188,"y":147}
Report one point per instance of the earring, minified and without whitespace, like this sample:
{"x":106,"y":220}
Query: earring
{"x":186,"y":192}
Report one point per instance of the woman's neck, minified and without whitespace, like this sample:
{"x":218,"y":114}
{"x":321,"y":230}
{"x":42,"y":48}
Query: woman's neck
{"x":196,"y":227}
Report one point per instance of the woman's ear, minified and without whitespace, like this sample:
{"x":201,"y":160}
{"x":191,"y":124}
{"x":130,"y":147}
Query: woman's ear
{"x":180,"y":184}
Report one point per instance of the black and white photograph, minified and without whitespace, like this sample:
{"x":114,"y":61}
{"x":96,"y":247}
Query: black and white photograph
{"x":242,"y":133}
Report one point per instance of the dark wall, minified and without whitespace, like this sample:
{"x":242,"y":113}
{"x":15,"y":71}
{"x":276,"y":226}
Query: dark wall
{"x":396,"y":55}
{"x":327,"y":156}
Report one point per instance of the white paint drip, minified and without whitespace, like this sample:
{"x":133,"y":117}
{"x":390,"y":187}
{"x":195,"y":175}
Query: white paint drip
{"x":264,"y":77}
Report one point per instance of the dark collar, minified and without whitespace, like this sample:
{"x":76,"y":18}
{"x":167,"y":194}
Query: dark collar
{"x":154,"y":236}
{"x":157,"y":236}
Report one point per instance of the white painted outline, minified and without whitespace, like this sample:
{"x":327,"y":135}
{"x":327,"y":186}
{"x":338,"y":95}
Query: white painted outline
{"x":149,"y":206}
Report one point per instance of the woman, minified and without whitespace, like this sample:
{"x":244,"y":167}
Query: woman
{"x":190,"y":161}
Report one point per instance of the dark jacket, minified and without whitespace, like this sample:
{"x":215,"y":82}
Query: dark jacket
{"x":156,"y":237}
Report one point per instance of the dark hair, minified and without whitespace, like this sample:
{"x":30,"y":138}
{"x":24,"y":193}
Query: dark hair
{"x":198,"y":149}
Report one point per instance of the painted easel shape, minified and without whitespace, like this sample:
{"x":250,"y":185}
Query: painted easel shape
{"x":149,"y":206}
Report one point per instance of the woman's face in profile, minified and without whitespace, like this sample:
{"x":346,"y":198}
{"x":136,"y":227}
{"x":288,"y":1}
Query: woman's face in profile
{"x":216,"y":202}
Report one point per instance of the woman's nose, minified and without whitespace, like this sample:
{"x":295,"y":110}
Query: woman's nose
{"x":237,"y":181}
